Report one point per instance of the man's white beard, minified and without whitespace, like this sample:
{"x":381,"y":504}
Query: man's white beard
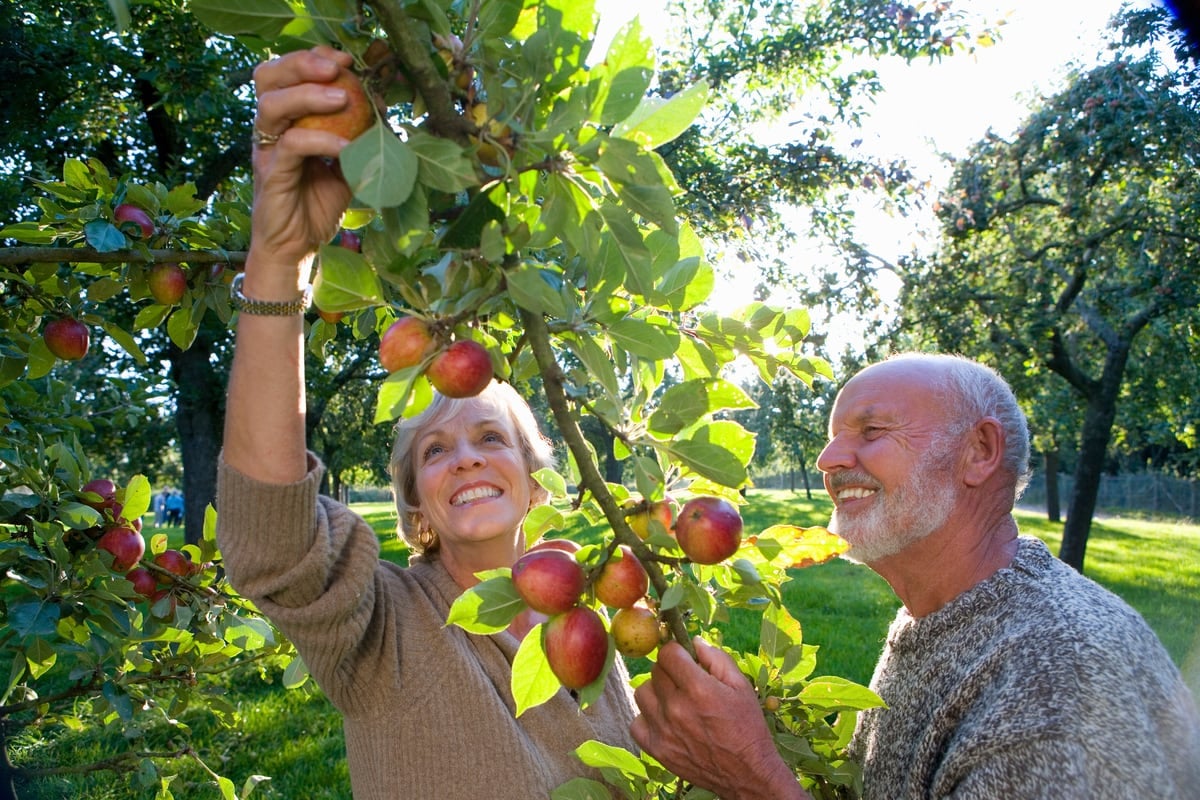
{"x":897,"y":519}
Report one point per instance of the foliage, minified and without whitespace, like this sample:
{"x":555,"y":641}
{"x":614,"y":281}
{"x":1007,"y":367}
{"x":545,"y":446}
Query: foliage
{"x":1071,"y":247}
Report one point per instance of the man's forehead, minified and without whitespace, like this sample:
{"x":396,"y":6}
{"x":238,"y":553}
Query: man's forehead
{"x":881,"y":394}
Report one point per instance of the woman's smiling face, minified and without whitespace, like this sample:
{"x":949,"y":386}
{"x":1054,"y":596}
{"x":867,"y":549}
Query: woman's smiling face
{"x":471,"y":477}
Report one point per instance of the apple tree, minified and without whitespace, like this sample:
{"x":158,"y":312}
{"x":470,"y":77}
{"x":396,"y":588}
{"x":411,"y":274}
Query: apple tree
{"x":1070,"y":248}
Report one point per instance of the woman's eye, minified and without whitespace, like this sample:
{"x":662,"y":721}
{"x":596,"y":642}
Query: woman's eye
{"x":493,"y":438}
{"x":433,"y":450}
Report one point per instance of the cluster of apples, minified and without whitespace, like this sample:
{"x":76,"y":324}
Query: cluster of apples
{"x":462,"y":369}
{"x":122,"y":539}
{"x":552,"y":582}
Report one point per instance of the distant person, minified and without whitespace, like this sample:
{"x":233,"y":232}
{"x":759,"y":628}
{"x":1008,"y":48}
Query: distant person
{"x":1006,"y":673}
{"x":427,"y":708}
{"x":159,"y":506}
{"x":175,"y":508}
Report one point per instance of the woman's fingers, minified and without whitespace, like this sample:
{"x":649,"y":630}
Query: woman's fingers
{"x":318,"y":65}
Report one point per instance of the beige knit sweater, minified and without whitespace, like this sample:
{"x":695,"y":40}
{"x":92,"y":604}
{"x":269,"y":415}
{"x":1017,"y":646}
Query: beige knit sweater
{"x":428,"y":711}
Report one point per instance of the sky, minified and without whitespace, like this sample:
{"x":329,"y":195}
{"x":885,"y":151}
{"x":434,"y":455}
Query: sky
{"x":928,"y":109}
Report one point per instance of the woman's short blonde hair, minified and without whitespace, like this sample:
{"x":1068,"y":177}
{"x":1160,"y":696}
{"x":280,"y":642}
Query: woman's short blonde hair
{"x":536,"y":449}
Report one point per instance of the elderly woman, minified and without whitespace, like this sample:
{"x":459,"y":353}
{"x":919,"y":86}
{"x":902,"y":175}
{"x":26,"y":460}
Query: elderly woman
{"x":427,"y":708}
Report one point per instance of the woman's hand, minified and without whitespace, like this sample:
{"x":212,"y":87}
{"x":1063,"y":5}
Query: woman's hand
{"x":299,"y":192}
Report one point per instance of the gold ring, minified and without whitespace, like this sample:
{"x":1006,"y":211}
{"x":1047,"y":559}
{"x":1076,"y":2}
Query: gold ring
{"x":264,"y":139}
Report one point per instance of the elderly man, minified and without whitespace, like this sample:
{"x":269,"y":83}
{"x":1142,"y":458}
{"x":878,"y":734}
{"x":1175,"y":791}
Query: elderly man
{"x":1005,"y":673}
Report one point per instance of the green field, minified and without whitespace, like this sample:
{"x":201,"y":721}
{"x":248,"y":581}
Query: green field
{"x":295,"y":736}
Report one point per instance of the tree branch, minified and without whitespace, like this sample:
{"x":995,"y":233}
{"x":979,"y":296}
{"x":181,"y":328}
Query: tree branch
{"x":589,"y":476}
{"x":86,"y":255}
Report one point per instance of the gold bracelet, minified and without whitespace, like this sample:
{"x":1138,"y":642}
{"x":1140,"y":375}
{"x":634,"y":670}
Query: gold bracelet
{"x":267,"y":308}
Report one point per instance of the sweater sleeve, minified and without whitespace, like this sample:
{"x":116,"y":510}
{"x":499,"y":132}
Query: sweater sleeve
{"x":306,"y":561}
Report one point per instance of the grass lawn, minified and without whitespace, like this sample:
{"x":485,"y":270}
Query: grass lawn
{"x":295,"y":736}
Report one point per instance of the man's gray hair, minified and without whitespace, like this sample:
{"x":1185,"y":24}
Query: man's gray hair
{"x":974,"y":391}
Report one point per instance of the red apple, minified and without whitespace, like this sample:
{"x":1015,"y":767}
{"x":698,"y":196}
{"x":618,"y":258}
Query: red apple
{"x":464,"y":369}
{"x":659,"y":511}
{"x":566,"y":545}
{"x":549,"y":581}
{"x":176,"y":562}
{"x":709,"y":529}
{"x":143,"y":580}
{"x":100,"y":494}
{"x":622,"y":580}
{"x":126,"y":545}
{"x":66,"y":338}
{"x":635,"y":631}
{"x":127,"y":212}
{"x":405,"y":343}
{"x":576,"y":646}
{"x":332,"y":317}
{"x":168,"y":283}
{"x":349,"y":240}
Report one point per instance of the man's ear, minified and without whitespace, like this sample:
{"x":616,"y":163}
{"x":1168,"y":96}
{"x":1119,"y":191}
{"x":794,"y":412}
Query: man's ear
{"x":984,"y":452}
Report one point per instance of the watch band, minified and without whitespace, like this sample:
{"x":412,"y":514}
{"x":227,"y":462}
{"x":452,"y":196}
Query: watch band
{"x":267,"y":308}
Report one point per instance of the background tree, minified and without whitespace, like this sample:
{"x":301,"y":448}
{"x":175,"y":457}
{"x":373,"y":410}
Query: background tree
{"x":1073,"y":245}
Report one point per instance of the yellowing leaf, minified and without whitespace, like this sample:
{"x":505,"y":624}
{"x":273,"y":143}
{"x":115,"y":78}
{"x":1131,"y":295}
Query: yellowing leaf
{"x":805,"y":547}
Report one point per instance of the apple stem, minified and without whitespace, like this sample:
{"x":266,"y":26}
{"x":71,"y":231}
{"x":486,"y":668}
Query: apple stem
{"x":589,"y":475}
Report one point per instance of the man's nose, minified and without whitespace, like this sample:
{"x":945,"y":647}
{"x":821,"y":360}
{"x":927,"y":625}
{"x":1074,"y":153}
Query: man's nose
{"x":836,"y":455}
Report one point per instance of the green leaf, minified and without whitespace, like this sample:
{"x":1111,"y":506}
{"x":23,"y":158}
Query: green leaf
{"x":626,"y":246}
{"x":487,"y":607}
{"x":541,"y":520}
{"x":345,"y":281}
{"x":604,"y":756}
{"x":638,"y":182}
{"x":552,"y":482}
{"x":41,"y":656}
{"x":404,"y":393}
{"x":779,"y":633}
{"x":581,"y":789}
{"x":104,"y":236}
{"x":620,"y":81}
{"x":597,"y":362}
{"x":657,"y":121}
{"x":295,"y":674}
{"x":684,"y":404}
{"x":530,"y":289}
{"x":497,"y":18}
{"x":653,"y":338}
{"x":77,"y":516}
{"x":262,"y":18}
{"x":136,"y":500}
{"x":466,"y":231}
{"x":533,"y":682}
{"x":711,"y":461}
{"x":442,"y":164}
{"x":33,"y":618}
{"x":29,"y":233}
{"x":380,"y":169}
{"x":180,"y":328}
{"x":831,"y":693}
{"x":123,"y":338}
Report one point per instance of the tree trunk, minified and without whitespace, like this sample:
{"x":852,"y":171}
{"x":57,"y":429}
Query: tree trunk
{"x":614,"y":468}
{"x":804,"y":474}
{"x":199,"y":417}
{"x":791,"y":478}
{"x":8,"y":789}
{"x":1093,"y":446}
{"x":1051,"y":465}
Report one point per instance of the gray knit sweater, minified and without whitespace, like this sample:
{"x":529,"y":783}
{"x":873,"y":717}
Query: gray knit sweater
{"x":428,"y":711}
{"x":1037,"y":683}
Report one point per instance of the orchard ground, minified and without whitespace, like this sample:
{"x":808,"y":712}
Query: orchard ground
{"x":295,"y":736}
